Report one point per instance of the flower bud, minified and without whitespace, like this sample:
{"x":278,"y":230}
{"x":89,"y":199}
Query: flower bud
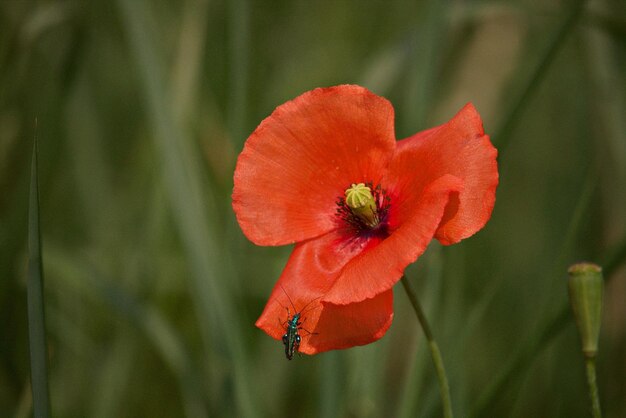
{"x":585,"y":293}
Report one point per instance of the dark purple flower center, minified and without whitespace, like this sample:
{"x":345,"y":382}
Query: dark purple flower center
{"x":364,"y":221}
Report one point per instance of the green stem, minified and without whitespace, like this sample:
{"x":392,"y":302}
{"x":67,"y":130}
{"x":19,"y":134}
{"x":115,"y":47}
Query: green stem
{"x":590,"y":363}
{"x":444,"y":387}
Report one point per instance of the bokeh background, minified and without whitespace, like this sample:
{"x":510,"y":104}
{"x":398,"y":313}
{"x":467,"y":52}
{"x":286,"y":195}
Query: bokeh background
{"x":151,"y":289}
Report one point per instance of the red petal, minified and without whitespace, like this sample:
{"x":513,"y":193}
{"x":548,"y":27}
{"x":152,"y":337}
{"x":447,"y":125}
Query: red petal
{"x":413,"y":220}
{"x":326,"y":326}
{"x":310,"y":272}
{"x":460,"y":148}
{"x":302,"y":157}
{"x":345,"y":326}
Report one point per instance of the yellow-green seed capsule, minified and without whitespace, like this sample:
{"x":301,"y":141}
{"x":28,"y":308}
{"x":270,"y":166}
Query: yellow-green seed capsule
{"x":585,"y":293}
{"x":361,"y":202}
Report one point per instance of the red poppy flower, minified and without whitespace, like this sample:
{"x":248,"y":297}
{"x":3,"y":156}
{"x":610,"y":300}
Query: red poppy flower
{"x":325,"y":172}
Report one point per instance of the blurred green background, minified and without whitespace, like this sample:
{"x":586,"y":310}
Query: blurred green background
{"x":151,"y":289}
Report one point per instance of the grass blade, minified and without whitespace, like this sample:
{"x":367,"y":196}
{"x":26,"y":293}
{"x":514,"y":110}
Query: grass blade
{"x":81,"y":276}
{"x":330,"y":386}
{"x":551,"y":327}
{"x":239,"y":12}
{"x":502,"y":136}
{"x":36,"y":314}
{"x":194,"y":209}
{"x":423,"y":65}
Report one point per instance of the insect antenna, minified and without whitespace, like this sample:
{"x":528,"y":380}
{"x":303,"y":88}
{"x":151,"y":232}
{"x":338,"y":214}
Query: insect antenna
{"x":310,"y":302}
{"x":292,"y":305}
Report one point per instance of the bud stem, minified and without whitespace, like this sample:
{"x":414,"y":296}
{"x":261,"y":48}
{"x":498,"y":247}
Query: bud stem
{"x":590,"y":363}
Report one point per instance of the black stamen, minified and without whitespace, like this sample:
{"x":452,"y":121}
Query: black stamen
{"x":355,"y":224}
